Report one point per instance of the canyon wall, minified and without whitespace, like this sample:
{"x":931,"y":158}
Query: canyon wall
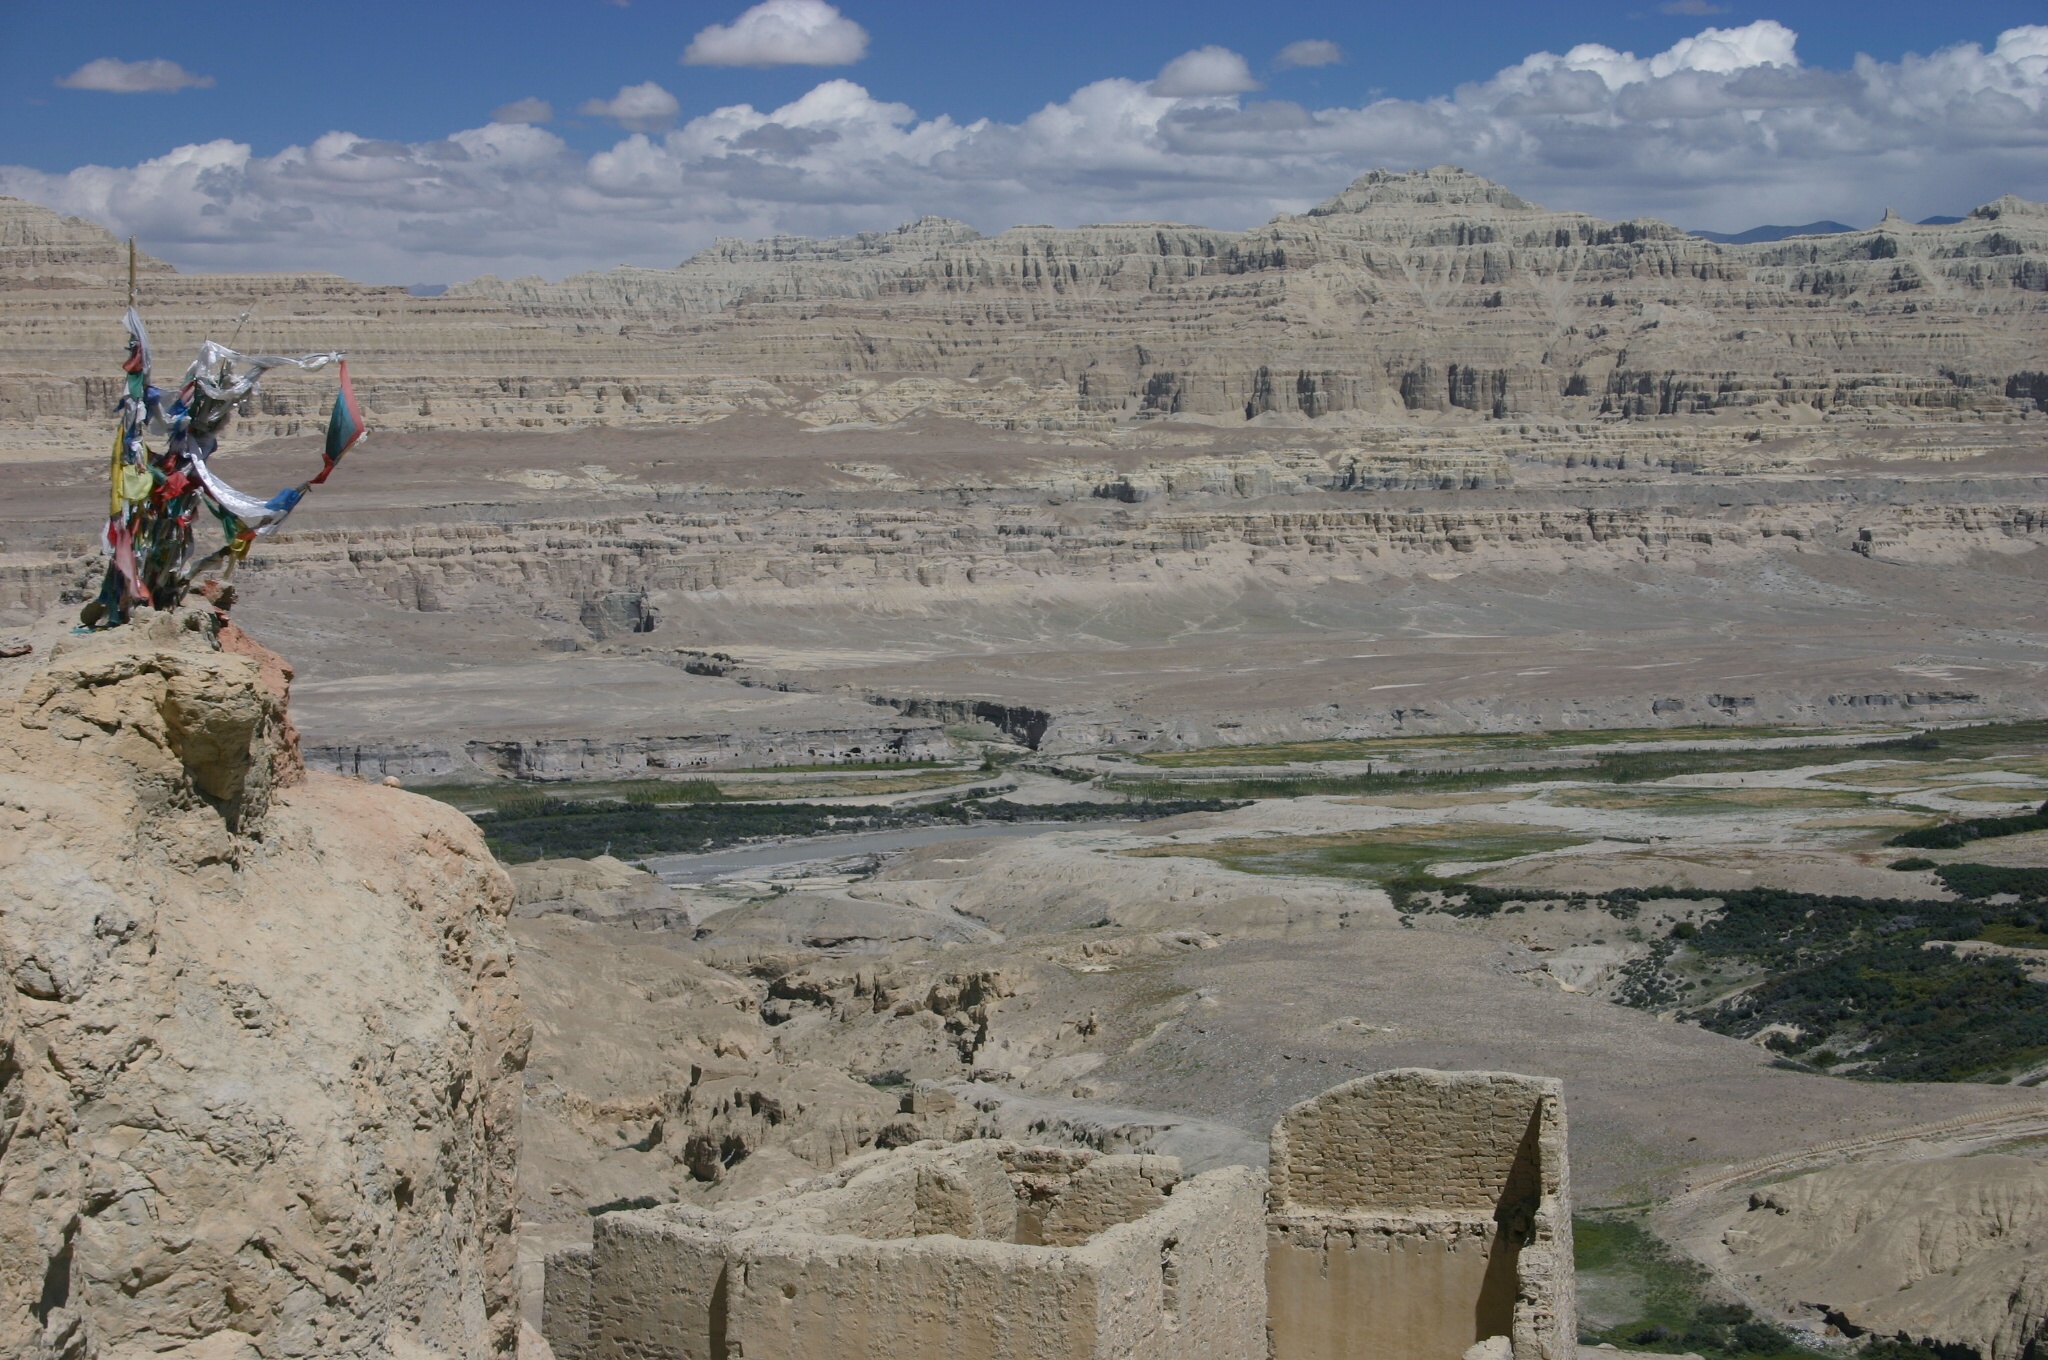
{"x":1425,"y":295}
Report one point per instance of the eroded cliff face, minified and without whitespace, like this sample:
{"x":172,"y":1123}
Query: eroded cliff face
{"x":260,"y":1046}
{"x":1945,"y":1252}
{"x":1425,"y":295}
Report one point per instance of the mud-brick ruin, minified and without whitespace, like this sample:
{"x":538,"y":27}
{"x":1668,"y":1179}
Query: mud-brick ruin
{"x":1410,"y":1215}
{"x":1413,"y":1214}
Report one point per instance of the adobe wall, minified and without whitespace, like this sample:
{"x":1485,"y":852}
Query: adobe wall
{"x":1414,"y":1213}
{"x":1411,"y":1215}
{"x":977,"y":1249}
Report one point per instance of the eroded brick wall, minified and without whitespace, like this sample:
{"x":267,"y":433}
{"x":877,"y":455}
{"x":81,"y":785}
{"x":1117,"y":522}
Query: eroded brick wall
{"x":928,"y":1252}
{"x":1414,"y":1213}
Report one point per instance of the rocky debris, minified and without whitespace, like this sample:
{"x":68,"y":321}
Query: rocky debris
{"x":600,"y":889}
{"x":836,"y":922}
{"x":1950,"y":1253}
{"x":655,"y":1076}
{"x":259,"y":1040}
{"x":1040,"y":885}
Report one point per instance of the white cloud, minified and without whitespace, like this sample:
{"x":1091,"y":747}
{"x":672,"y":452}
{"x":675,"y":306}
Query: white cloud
{"x":111,"y":75}
{"x":1713,"y":51}
{"x":1726,"y":129}
{"x":641,"y":108}
{"x":528,"y":110}
{"x":781,"y":33}
{"x":1206,"y":72}
{"x":1309,"y":52}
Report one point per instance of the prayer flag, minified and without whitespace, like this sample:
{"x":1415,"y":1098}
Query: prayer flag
{"x":344,"y":426}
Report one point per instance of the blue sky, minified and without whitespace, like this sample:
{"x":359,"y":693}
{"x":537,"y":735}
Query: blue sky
{"x":1079,"y":122}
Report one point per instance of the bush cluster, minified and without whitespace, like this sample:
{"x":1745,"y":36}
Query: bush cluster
{"x":1955,"y":835}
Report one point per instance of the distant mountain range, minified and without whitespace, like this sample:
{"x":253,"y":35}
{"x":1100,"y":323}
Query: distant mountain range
{"x":1763,"y":235}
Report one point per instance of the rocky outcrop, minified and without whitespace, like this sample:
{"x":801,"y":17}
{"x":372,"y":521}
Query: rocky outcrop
{"x":36,"y":243}
{"x":260,"y":1046}
{"x":656,"y":1077}
{"x":1947,"y":1253}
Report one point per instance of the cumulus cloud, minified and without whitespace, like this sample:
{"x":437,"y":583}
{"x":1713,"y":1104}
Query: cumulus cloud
{"x":1206,"y":72}
{"x":1725,"y":129}
{"x":528,"y":110}
{"x":1308,"y":52}
{"x":781,"y":33}
{"x":641,"y":108}
{"x":110,"y":75}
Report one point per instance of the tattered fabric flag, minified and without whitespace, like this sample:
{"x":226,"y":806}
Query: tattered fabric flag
{"x":258,"y":516}
{"x":344,"y":427}
{"x":137,"y":363}
{"x":154,"y":495}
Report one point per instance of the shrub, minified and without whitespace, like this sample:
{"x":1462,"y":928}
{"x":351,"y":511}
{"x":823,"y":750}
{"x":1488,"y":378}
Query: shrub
{"x":1954,"y":835}
{"x":1761,"y":1338}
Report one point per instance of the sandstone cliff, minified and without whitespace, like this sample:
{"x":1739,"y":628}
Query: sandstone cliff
{"x":260,"y":1047}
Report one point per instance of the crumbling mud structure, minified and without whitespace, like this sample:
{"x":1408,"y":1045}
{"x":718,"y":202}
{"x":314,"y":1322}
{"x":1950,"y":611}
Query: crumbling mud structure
{"x":1413,"y":1215}
{"x":983,"y":1249}
{"x":1417,"y":1213}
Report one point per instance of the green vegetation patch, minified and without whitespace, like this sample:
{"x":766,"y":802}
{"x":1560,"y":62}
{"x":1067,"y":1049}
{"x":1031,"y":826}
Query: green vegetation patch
{"x":1399,"y":748}
{"x":1615,"y":767}
{"x":554,"y":829}
{"x":2012,"y":934}
{"x":1954,"y":835}
{"x":1637,"y":1294}
{"x":1858,"y":986}
{"x":1900,"y":1012}
{"x":1976,"y":882}
{"x":846,"y":785}
{"x":1684,"y":799}
{"x":527,"y":799}
{"x":1376,"y":856}
{"x":1990,"y":793}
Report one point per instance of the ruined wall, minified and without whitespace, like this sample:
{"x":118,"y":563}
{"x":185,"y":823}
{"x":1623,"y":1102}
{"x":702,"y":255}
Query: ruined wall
{"x":1412,"y":1215}
{"x":917,"y":1253}
{"x":1417,"y":1212}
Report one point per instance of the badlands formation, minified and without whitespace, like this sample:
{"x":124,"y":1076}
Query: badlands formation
{"x":1427,"y":479}
{"x":1425,"y":458}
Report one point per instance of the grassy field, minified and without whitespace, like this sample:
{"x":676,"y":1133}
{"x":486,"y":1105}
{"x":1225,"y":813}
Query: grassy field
{"x":843,"y":784}
{"x":827,"y":781}
{"x":2012,"y":742}
{"x":1637,"y":1294}
{"x":1375,"y":856}
{"x":1682,"y":800}
{"x":552,"y":828}
{"x":1402,"y":748}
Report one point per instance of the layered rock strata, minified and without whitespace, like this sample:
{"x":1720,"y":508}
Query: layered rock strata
{"x":260,"y":1046}
{"x":1427,"y":294}
{"x":785,"y":611}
